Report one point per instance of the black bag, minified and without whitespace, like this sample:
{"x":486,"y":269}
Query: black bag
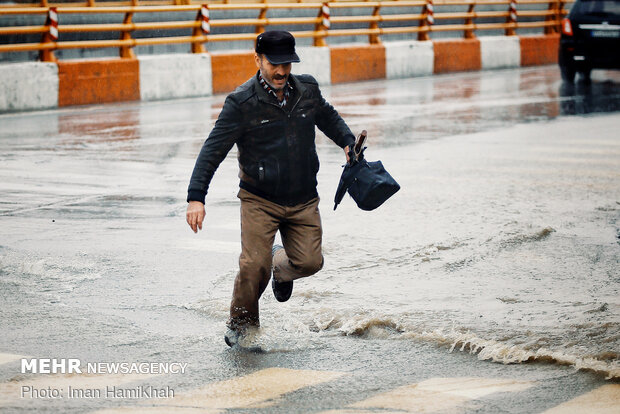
{"x":368,"y":183}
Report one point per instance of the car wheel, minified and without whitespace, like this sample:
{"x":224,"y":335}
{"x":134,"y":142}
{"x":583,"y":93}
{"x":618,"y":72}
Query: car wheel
{"x":568,"y":73}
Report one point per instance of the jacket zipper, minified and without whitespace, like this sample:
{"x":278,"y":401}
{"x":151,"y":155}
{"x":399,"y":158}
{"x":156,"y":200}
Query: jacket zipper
{"x":292,"y":109}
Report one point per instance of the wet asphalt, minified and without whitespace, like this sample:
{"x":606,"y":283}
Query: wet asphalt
{"x":96,"y":261}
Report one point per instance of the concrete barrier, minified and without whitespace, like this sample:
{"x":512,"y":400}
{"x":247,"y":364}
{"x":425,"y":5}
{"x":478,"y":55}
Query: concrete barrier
{"x":98,"y":81}
{"x":357,"y":63}
{"x":500,"y":52}
{"x":36,"y":85}
{"x":175,"y":76}
{"x":230,"y":70}
{"x":407,"y":59}
{"x":315,"y":61}
{"x":26,"y":86}
{"x":539,"y":50}
{"x":456,"y":55}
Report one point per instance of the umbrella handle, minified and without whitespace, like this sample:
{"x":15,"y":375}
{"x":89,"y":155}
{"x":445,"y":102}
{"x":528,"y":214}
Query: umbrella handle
{"x":358,"y":148}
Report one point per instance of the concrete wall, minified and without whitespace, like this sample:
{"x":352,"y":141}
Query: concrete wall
{"x":354,"y":63}
{"x":27,"y":86}
{"x":500,"y":52}
{"x":315,"y":61}
{"x":456,"y":55}
{"x":231,"y":69}
{"x":539,"y":49}
{"x":175,"y":76}
{"x":408,"y":59}
{"x":98,"y":81}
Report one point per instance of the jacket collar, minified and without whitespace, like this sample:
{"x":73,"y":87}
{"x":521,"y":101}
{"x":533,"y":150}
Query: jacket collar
{"x":264,"y":96}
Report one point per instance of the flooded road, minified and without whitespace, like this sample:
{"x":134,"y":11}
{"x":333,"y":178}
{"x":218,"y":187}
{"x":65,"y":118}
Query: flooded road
{"x":502,"y":248}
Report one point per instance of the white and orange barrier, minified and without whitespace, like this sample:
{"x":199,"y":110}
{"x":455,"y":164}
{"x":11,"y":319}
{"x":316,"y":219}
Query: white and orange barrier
{"x":41,"y":85}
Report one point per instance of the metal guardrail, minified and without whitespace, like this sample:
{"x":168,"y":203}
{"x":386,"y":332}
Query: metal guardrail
{"x":428,"y":19}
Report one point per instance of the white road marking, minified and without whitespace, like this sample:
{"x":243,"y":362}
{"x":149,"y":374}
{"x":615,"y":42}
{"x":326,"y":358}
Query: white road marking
{"x":158,"y":410}
{"x":257,"y":390}
{"x":603,"y":400}
{"x":472,"y":388}
{"x":260,"y":388}
{"x":435,"y":394}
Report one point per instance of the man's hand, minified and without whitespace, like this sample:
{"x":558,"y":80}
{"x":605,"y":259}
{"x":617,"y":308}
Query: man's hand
{"x":346,"y":153}
{"x":195,"y":215}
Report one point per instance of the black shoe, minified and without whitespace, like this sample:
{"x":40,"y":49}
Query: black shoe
{"x":281,"y":290}
{"x":232,"y":337}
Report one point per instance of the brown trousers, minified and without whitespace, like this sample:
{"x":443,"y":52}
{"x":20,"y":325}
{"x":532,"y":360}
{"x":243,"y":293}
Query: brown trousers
{"x":301,"y":232}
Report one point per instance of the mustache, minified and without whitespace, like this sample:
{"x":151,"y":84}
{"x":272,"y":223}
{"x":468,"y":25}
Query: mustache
{"x":279,"y":77}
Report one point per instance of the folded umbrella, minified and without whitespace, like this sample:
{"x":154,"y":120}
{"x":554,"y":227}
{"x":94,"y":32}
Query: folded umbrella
{"x":368,"y":183}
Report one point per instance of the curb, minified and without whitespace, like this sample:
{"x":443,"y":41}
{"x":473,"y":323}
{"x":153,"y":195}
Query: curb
{"x":41,"y":85}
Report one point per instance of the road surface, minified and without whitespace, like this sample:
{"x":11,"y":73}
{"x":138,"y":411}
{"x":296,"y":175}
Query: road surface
{"x":488,"y":284}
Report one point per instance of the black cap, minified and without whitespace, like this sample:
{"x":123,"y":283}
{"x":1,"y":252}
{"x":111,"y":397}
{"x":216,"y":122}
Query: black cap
{"x":278,"y":46}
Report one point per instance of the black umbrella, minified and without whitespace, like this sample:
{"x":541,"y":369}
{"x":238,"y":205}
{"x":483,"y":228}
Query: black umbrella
{"x":368,"y":183}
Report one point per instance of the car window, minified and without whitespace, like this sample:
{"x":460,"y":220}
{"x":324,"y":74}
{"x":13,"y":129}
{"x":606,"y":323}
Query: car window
{"x":599,"y":7}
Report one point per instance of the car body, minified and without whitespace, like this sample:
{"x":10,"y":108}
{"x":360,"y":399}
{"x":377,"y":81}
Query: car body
{"x":590,"y":38}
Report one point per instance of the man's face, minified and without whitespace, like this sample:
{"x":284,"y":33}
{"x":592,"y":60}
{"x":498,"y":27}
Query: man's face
{"x":275,"y":75}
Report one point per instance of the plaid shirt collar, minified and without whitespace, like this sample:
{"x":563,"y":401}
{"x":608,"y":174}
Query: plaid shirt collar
{"x":287,"y":90}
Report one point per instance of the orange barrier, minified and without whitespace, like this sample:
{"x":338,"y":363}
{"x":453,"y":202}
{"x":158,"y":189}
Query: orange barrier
{"x":102,"y":81}
{"x":357,"y":63}
{"x":230,"y":70}
{"x":98,"y":81}
{"x":456,"y":55}
{"x":539,"y":50}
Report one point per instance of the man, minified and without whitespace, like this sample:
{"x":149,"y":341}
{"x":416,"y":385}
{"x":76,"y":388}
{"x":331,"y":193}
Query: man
{"x":272,"y":119}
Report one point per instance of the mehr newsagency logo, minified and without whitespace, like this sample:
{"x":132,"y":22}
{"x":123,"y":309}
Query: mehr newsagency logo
{"x":76,"y":366}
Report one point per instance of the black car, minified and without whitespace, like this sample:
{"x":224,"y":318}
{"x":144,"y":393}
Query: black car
{"x":590,"y":38}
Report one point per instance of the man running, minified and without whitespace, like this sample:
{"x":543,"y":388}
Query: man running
{"x":272,"y":119}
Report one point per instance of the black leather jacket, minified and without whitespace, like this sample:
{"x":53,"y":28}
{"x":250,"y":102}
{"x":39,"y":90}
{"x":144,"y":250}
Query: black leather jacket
{"x":276,"y":150}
